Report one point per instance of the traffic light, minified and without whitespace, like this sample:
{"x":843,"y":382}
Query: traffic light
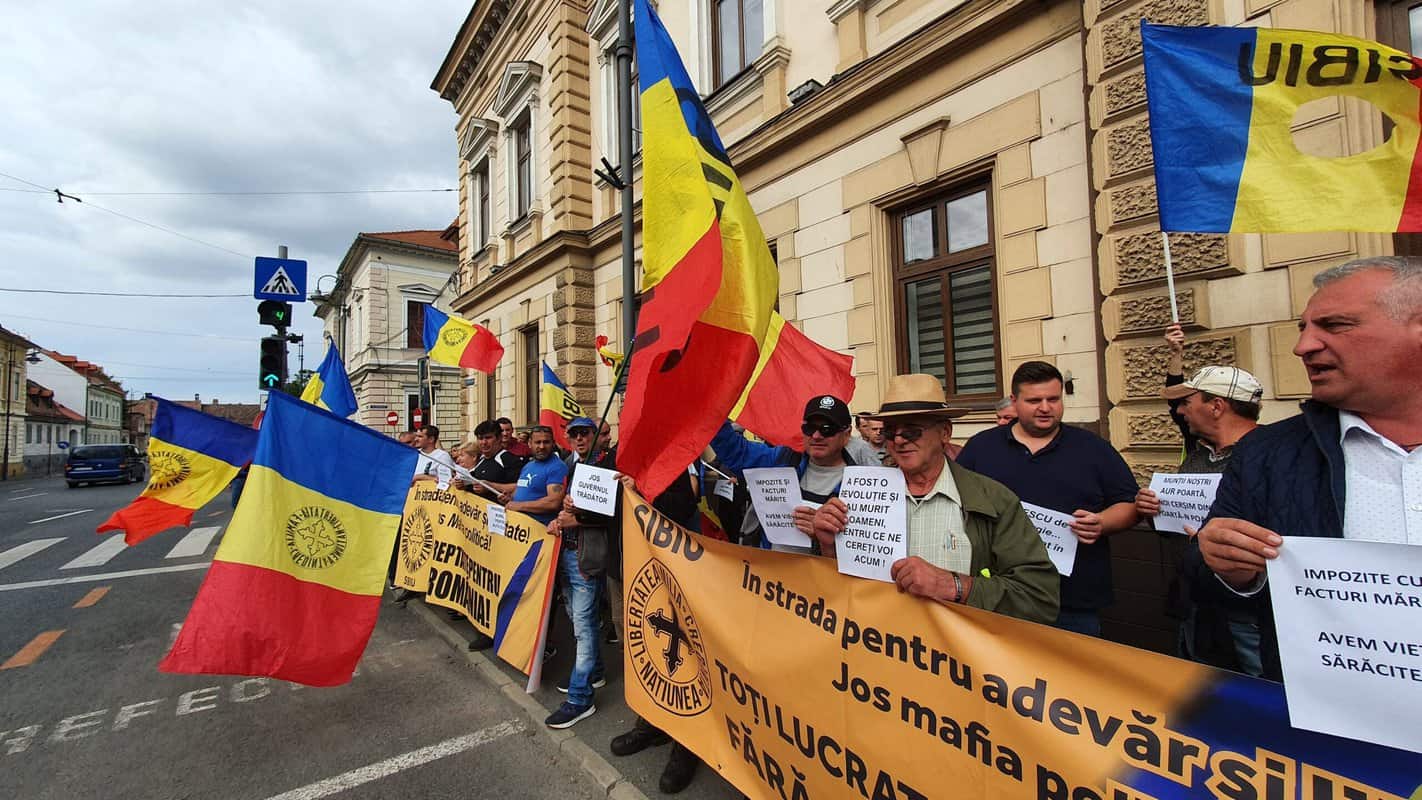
{"x":274,"y":313}
{"x":273,"y":367}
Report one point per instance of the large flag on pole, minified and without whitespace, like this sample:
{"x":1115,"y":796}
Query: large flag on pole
{"x":1222,"y":106}
{"x":192,"y":457}
{"x":294,"y":589}
{"x":792,"y":369}
{"x":330,"y":388}
{"x":556,"y":406}
{"x":708,"y":284}
{"x":453,"y":341}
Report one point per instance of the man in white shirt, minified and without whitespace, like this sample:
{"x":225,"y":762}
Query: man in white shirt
{"x":433,"y":464}
{"x":1349,"y":466}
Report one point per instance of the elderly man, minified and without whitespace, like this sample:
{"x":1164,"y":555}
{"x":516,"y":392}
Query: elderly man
{"x":820,"y":464}
{"x":1214,"y":409}
{"x":969,"y":540}
{"x":1006,"y":412}
{"x":1065,"y":469}
{"x":1344,"y":467}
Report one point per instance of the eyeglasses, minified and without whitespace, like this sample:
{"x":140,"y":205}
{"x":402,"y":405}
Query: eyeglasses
{"x":578,"y":433}
{"x":825,"y":429}
{"x":909,"y":433}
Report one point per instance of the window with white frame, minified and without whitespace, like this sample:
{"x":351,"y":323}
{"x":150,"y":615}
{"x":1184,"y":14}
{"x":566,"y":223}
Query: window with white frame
{"x":517,"y":103}
{"x":476,"y":147}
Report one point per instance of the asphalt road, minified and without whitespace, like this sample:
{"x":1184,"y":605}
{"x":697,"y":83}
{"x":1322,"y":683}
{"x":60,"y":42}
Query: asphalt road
{"x":85,"y":713}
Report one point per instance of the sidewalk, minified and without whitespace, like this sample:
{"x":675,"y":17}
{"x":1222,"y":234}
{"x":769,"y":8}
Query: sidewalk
{"x":627,"y":778}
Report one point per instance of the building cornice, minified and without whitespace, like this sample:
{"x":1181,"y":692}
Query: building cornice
{"x":475,"y":38}
{"x":931,"y":44}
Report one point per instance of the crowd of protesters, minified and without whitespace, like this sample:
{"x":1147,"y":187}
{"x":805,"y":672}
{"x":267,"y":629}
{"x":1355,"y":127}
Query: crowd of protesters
{"x":1348,"y":466}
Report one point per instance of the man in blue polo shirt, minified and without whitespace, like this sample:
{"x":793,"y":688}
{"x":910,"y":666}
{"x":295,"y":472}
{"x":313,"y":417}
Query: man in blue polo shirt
{"x":1065,"y":469}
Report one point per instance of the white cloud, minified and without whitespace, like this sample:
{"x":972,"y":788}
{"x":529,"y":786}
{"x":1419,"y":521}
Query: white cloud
{"x":169,"y":96}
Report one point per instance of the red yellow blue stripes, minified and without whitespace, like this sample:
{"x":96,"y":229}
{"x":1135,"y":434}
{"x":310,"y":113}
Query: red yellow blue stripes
{"x":792,"y":369}
{"x":330,"y":388}
{"x":294,"y":589}
{"x":192,"y":457}
{"x":1223,"y":103}
{"x":557,"y":406}
{"x":458,"y":343}
{"x":709,"y":283}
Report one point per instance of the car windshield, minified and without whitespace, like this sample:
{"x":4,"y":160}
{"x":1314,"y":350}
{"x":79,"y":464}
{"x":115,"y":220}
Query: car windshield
{"x":100,"y":451}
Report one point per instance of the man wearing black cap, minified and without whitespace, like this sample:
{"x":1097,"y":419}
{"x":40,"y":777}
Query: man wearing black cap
{"x":820,"y":462}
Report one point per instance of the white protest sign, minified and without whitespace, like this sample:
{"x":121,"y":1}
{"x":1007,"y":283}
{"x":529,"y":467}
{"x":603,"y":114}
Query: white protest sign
{"x":726,"y":489}
{"x":775,"y":492}
{"x":877,"y":533}
{"x":1349,"y":620}
{"x":498,"y":520}
{"x":1055,"y":529}
{"x":594,"y":489}
{"x":1185,"y":499}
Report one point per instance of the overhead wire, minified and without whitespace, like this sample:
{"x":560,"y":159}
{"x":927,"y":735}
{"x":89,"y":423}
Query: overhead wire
{"x":120,"y":294}
{"x":131,"y":330}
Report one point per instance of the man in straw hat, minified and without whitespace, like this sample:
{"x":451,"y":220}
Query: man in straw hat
{"x":1065,"y":469}
{"x":969,"y":540}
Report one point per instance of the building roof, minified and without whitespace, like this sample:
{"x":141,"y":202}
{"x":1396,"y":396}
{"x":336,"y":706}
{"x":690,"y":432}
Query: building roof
{"x":240,"y":413}
{"x":435,"y":240}
{"x":40,"y":404}
{"x":95,"y":373}
{"x":22,"y":341}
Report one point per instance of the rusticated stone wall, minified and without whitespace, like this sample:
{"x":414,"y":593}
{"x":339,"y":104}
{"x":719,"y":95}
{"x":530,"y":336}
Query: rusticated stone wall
{"x":1238,"y":294}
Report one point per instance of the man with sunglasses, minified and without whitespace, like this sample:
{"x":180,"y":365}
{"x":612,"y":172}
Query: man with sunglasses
{"x":969,"y":541}
{"x":820,"y":462}
{"x":1066,"y":469}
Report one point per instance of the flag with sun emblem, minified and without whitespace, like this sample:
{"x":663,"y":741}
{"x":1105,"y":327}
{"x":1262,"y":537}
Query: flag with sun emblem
{"x":192,"y":457}
{"x":294,"y":589}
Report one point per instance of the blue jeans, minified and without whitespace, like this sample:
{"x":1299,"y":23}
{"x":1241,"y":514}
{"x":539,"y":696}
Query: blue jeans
{"x":580,"y":599}
{"x":1079,"y":620}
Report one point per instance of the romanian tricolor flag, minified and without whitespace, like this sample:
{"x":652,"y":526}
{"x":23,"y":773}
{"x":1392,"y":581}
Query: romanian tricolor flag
{"x":557,"y":406}
{"x":1222,"y":111}
{"x":792,"y":369}
{"x":294,"y":589}
{"x":192,"y":457}
{"x":460,"y":344}
{"x":610,"y":357}
{"x":709,"y":282}
{"x":330,"y":388}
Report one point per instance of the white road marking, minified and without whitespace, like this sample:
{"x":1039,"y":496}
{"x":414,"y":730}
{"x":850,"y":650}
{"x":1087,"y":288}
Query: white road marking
{"x":173,"y":634}
{"x":100,"y":554}
{"x":61,"y":516}
{"x":106,"y":576}
{"x":194,"y":544}
{"x":28,"y":496}
{"x":400,"y":763}
{"x":20,"y":551}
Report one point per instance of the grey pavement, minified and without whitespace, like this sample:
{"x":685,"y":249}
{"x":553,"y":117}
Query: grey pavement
{"x":90,"y":716}
{"x":642,"y":770}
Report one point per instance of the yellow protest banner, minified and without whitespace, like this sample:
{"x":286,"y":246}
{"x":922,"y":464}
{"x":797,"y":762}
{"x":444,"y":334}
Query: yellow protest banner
{"x":794,"y":681}
{"x":502,"y":582}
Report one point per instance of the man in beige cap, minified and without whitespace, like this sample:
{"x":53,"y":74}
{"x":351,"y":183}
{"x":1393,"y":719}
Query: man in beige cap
{"x":1215,"y":408}
{"x":969,"y":540}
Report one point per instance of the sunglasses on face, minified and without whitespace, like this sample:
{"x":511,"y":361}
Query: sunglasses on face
{"x":824,"y":429}
{"x":909,"y":433}
{"x":578,"y":433}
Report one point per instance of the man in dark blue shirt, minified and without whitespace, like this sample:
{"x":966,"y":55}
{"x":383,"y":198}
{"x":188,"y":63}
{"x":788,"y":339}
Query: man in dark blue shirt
{"x":1065,"y":469}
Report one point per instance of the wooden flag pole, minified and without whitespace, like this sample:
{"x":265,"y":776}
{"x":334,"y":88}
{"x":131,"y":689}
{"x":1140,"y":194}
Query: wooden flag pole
{"x":1170,"y":279}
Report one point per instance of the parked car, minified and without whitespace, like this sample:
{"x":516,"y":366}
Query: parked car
{"x":96,"y":463}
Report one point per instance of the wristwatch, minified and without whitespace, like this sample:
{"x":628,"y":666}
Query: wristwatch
{"x":957,"y":588}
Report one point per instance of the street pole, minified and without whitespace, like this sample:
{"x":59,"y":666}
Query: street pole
{"x":9,"y":365}
{"x":624,"y":141}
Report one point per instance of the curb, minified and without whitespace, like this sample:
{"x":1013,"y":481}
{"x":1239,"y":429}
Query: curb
{"x":602,"y":772}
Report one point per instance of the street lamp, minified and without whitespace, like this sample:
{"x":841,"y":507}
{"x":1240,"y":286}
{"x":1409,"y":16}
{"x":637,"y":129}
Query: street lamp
{"x":32,"y":356}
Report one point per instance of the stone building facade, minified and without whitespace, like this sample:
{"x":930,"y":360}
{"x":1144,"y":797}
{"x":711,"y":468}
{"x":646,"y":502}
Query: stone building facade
{"x":953,"y":186}
{"x":373,"y":314}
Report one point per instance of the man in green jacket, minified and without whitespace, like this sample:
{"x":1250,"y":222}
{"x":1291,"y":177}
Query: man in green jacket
{"x":968,"y":540}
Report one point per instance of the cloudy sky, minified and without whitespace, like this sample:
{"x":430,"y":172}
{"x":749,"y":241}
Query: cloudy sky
{"x":164,"y":96}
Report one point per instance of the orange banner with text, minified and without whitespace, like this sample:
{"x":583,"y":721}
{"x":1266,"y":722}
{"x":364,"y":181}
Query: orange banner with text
{"x":794,"y":681}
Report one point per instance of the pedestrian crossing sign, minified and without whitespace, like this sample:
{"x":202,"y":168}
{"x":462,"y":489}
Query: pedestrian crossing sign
{"x":280,"y":279}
